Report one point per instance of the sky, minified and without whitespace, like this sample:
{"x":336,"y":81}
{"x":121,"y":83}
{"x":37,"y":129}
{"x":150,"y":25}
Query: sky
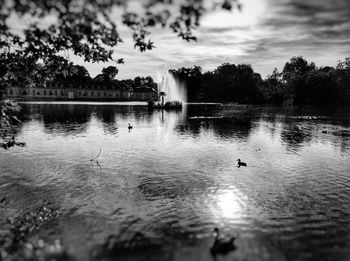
{"x":265,"y":34}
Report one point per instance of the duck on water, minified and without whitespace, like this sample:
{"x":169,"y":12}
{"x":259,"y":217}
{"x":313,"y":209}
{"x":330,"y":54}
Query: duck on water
{"x":222,"y":246}
{"x":241,"y":163}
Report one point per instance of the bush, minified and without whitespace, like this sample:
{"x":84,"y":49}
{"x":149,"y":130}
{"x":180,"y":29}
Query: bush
{"x":173,"y":104}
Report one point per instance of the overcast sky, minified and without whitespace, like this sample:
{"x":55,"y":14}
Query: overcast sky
{"x":265,"y":34}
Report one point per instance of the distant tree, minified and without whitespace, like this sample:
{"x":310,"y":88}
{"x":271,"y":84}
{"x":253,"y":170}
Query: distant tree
{"x":149,"y":80}
{"x":344,"y":64}
{"x":107,"y":75}
{"x":294,"y":73}
{"x":246,"y":84}
{"x":81,"y":72}
{"x":341,"y":82}
{"x":192,"y":78}
{"x":297,"y":66}
{"x":110,"y":72}
{"x":272,"y":90}
{"x":87,"y":28}
{"x":137,"y":81}
{"x":319,"y":89}
{"x":225,"y":78}
{"x":78,"y":74}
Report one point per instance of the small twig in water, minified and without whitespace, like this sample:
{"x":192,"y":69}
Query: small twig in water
{"x":94,"y":160}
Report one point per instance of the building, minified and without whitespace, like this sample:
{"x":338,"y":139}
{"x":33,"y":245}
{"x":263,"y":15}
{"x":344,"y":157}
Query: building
{"x":145,"y":93}
{"x":113,"y":91}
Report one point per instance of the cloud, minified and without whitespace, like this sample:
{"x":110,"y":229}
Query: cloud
{"x":266,"y":34}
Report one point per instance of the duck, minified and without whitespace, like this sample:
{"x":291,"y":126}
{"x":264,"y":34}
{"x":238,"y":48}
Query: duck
{"x":221,"y":246}
{"x":241,"y":163}
{"x":129,"y":127}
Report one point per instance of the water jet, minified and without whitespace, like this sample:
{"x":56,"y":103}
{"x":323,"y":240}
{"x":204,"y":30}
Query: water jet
{"x":172,"y":93}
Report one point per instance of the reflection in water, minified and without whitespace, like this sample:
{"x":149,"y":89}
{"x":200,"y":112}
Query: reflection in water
{"x":295,"y":136}
{"x":173,"y":178}
{"x":231,"y":204}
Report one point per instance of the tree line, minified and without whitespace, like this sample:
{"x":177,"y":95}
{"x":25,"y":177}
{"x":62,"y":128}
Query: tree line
{"x":300,"y":82}
{"x":79,"y":75}
{"x":73,"y":74}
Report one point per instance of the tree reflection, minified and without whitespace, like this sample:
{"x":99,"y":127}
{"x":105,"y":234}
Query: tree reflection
{"x":296,"y":126}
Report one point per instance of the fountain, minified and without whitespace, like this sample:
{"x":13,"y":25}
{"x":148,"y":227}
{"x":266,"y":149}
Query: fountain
{"x":172,"y":93}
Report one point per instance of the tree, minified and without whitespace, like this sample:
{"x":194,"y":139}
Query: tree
{"x":81,"y":72}
{"x":110,"y":72}
{"x":149,"y":80}
{"x":137,"y":81}
{"x":344,"y":64}
{"x":84,"y":28}
{"x":272,"y":90}
{"x":107,"y":75}
{"x":192,"y":78}
{"x":341,"y":82}
{"x":87,"y":28}
{"x":297,"y":66}
{"x":319,"y":89}
{"x":294,"y":73}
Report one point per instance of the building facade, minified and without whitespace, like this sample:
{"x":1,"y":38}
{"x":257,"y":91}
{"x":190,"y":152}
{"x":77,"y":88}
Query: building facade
{"x":92,"y":92}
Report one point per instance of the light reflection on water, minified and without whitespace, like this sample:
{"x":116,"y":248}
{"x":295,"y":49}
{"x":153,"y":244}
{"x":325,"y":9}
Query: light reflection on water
{"x":174,"y":175}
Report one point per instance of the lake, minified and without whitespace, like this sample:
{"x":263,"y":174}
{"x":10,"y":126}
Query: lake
{"x":174,"y":178}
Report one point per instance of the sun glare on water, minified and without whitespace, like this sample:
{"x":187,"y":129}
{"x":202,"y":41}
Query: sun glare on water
{"x":230,"y":204}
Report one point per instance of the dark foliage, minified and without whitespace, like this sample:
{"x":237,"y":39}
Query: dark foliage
{"x":227,"y":83}
{"x":300,"y":82}
{"x":9,"y":114}
{"x":85,"y":28}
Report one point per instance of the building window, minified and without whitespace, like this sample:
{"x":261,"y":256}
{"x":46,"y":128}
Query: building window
{"x":33,"y":92}
{"x":62,"y":93}
{"x":79,"y":93}
{"x":56,"y":92}
{"x":98,"y":94}
{"x":44,"y":92}
{"x":51,"y":93}
{"x":104,"y":94}
{"x":92,"y":93}
{"x":38,"y":93}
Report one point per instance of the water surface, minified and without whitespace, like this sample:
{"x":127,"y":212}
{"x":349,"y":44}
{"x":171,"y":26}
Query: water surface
{"x":174,"y":178}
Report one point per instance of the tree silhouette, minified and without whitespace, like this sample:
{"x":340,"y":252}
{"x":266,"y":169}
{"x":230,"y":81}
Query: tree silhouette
{"x":88,"y":29}
{"x":53,"y":30}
